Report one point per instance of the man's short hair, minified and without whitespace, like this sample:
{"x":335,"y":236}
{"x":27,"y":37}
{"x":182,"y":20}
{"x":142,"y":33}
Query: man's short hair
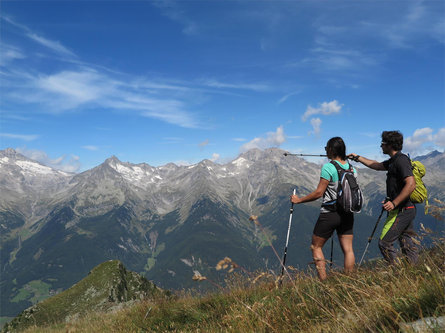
{"x":394,"y":139}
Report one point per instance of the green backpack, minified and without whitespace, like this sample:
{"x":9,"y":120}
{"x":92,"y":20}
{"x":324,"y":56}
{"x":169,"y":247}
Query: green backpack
{"x":420,"y":194}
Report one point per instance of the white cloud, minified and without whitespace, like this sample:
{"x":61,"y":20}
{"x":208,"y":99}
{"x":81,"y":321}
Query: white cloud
{"x":325,"y":108}
{"x":316,"y":126}
{"x":70,"y":164}
{"x":439,"y":138}
{"x":215,"y":157}
{"x":272,"y":139}
{"x":423,"y":140}
{"x":24,"y":137}
{"x":239,"y":139}
{"x":418,"y":139}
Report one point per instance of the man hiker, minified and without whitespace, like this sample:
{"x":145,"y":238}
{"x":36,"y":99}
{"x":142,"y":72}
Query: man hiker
{"x":400,"y":183}
{"x":330,"y":218}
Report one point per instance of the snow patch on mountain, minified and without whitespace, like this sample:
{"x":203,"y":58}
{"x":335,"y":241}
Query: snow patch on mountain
{"x":241,"y":163}
{"x":32,"y":167}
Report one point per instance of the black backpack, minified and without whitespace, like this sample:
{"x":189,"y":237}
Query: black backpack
{"x":349,"y":194}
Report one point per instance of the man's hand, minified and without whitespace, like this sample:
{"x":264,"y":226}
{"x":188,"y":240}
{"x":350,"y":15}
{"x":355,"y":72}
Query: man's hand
{"x":388,"y":205}
{"x":353,"y":157}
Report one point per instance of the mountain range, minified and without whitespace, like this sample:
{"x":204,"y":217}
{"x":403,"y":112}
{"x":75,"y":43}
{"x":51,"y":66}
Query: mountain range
{"x":167,"y":223}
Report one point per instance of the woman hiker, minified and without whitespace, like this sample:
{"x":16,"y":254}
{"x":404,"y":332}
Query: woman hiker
{"x":330,"y":218}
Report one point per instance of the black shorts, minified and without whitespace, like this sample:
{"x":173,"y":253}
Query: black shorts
{"x":328,"y":222}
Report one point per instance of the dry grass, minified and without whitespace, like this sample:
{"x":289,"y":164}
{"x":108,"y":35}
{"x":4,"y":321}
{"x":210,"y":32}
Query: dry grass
{"x":371,"y":300}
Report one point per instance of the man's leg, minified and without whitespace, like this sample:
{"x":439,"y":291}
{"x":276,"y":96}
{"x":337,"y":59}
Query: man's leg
{"x":390,"y":234}
{"x":397,"y":226}
{"x":406,"y":239}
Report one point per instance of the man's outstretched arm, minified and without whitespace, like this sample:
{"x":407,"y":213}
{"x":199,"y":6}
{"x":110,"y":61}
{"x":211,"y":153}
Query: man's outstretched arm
{"x":369,"y":163}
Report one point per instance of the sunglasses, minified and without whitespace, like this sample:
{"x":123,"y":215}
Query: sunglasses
{"x":383,"y":143}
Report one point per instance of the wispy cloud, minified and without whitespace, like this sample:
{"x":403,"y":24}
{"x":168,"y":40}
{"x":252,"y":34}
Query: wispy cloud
{"x":272,"y":139}
{"x":325,"y":108}
{"x":204,"y":143}
{"x":417,"y":21}
{"x":332,"y":59}
{"x":86,"y":88}
{"x":238,"y":86}
{"x":10,"y":53}
{"x":55,"y":46}
{"x":341,"y":47}
{"x":172,"y":140}
{"x":287,"y":96}
{"x":172,"y":9}
{"x":91,"y":148}
{"x":23,"y":137}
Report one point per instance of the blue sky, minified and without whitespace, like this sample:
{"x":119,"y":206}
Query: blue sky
{"x":183,"y":81}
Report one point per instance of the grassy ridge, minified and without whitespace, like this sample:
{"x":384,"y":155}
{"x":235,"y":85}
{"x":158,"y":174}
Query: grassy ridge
{"x":108,"y":285}
{"x":372,"y":299}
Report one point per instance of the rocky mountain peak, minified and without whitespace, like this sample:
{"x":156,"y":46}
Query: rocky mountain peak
{"x":432,"y":154}
{"x":9,"y":152}
{"x":14,"y":155}
{"x":113,"y":160}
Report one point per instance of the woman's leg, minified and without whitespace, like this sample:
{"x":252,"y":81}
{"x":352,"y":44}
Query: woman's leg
{"x":346,"y":246}
{"x":317,"y":254}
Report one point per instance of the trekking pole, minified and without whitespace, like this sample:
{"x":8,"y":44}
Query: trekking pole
{"x":332,"y":250}
{"x":372,"y":234}
{"x":290,"y":154}
{"x":287,"y":240}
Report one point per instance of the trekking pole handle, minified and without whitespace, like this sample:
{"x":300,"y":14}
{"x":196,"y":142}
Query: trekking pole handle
{"x":292,"y":206}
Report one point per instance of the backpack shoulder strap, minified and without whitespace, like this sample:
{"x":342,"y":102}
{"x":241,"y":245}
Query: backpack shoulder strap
{"x":340,"y":170}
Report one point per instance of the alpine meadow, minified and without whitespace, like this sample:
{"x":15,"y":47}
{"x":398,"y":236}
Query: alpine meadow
{"x":222,"y":166}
